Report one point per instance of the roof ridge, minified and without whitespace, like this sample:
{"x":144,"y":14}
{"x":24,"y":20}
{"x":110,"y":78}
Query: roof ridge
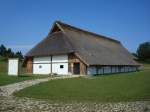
{"x":92,"y":33}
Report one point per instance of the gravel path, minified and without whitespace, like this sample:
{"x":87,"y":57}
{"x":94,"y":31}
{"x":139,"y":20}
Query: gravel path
{"x":8,"y":90}
{"x":9,"y":103}
{"x":14,"y":104}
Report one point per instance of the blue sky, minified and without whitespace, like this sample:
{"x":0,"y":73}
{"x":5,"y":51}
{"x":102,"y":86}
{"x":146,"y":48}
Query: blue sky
{"x":24,"y":23}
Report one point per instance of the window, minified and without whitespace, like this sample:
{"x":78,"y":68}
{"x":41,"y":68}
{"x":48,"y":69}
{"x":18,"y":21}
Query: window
{"x":40,"y":66}
{"x":61,"y":66}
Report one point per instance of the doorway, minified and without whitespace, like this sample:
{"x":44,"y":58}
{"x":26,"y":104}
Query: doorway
{"x":76,"y":68}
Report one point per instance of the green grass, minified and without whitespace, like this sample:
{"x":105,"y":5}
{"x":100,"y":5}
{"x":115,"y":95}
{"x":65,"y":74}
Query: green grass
{"x":6,"y":79}
{"x":111,"y":88}
{"x":3,"y":66}
{"x":117,"y":87}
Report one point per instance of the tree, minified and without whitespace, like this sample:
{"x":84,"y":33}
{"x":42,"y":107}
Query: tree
{"x":19,"y":55}
{"x":9,"y":53}
{"x":3,"y":50}
{"x":143,"y":51}
{"x":135,"y":55}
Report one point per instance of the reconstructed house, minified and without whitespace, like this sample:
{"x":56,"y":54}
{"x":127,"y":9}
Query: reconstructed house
{"x":71,"y":50}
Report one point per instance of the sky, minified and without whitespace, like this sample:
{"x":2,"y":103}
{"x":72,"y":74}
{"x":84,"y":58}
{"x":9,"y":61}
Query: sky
{"x":24,"y":23}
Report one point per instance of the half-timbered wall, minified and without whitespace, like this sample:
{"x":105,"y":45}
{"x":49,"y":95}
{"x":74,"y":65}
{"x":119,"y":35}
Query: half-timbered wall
{"x":29,"y":65}
{"x":67,"y":63}
{"x":48,"y":64}
{"x":91,"y":70}
{"x":74,"y":59}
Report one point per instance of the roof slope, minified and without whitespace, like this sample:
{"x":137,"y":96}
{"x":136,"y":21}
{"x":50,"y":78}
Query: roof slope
{"x":92,"y":48}
{"x":55,"y":43}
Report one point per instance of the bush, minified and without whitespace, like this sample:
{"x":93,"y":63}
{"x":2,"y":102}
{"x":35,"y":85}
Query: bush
{"x":143,"y":51}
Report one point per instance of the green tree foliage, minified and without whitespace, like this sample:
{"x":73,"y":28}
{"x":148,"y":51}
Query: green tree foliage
{"x":8,"y":53}
{"x":143,"y":51}
{"x":135,"y":55}
{"x":19,"y":55}
{"x":2,"y":50}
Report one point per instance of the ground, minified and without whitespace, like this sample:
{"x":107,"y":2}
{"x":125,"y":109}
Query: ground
{"x":118,"y":87}
{"x":14,"y":104}
{"x":6,"y":79}
{"x":127,"y":92}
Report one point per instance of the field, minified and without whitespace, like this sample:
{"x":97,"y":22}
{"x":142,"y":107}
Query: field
{"x":3,"y":66}
{"x":108,"y":88}
{"x":5,"y":79}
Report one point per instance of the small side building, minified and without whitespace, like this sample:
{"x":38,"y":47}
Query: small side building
{"x":70,"y":50}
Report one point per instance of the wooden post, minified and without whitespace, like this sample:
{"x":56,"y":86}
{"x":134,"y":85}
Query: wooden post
{"x":111,"y":69}
{"x":103,"y":69}
{"x":51,"y":64}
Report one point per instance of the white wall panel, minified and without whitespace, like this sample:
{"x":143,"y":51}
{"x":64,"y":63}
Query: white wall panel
{"x":130,"y":69}
{"x":60,"y":58}
{"x":117,"y":69}
{"x":41,"y":68}
{"x":107,"y":69}
{"x":13,"y":66}
{"x":57,"y":62}
{"x":122,"y":69}
{"x":113,"y":69}
{"x":42,"y":59}
{"x":100,"y":70}
{"x":41,"y":65}
{"x":60,"y":68}
{"x":91,"y":70}
{"x":126,"y":69}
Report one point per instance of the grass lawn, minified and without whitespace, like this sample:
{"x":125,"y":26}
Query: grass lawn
{"x":109,"y":88}
{"x":6,"y":79}
{"x":3,"y":66}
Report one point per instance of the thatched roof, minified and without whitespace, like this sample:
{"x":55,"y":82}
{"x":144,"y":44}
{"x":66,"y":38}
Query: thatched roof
{"x":55,"y":43}
{"x":92,"y":48}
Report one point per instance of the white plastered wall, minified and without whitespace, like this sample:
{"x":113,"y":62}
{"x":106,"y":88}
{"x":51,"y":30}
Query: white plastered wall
{"x":43,"y":65}
{"x":60,"y":64}
{"x":13,"y":66}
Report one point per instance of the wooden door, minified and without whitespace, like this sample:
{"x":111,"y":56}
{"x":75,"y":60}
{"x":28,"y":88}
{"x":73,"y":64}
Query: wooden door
{"x":76,"y":68}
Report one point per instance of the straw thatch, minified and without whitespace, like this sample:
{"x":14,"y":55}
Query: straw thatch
{"x":92,"y":48}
